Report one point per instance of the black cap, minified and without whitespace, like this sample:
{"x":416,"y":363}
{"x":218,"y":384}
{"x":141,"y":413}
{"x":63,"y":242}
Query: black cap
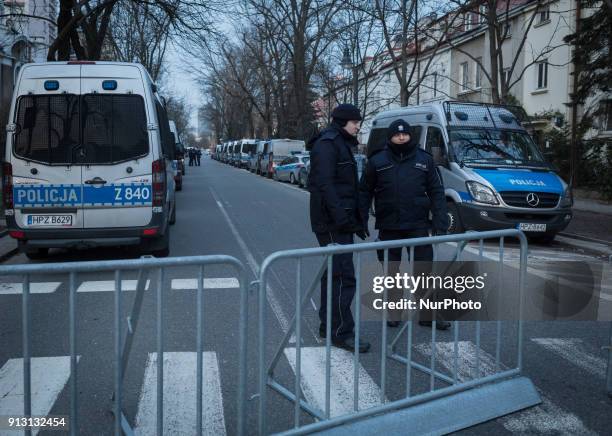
{"x":398,"y":126}
{"x":346,"y":112}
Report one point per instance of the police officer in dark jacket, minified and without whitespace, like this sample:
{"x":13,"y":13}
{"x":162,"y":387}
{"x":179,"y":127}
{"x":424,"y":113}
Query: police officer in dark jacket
{"x":335,"y":217}
{"x":405,"y":185}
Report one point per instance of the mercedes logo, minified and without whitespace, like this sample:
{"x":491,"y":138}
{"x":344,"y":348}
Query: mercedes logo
{"x":532,"y":199}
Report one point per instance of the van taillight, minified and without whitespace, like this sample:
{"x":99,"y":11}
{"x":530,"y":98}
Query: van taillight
{"x":159,"y":182}
{"x":7,"y":185}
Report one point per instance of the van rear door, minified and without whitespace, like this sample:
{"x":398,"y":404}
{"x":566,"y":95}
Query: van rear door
{"x":47,"y":189}
{"x":117,"y":154}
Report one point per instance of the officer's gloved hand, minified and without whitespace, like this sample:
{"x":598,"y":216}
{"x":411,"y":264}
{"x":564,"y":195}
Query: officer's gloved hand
{"x":362,"y":234}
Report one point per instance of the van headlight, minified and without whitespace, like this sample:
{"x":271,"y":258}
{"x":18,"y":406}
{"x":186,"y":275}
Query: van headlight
{"x":481,"y":193}
{"x":567,"y":199}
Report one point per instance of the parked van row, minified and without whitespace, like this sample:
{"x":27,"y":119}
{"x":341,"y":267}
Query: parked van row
{"x":90,"y":159}
{"x":259,"y":156}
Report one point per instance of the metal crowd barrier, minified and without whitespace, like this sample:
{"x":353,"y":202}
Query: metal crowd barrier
{"x":123,"y":346}
{"x":515,"y":392}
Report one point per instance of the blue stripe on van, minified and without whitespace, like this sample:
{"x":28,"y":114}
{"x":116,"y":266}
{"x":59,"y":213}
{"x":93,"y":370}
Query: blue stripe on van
{"x":134,"y":194}
{"x":521,"y":180}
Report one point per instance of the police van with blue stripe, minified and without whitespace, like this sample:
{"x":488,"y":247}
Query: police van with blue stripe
{"x":494,"y":175}
{"x":88,"y":159}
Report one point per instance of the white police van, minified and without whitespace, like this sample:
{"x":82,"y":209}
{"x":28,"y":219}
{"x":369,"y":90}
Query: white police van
{"x":494,"y":175}
{"x":88,"y":159}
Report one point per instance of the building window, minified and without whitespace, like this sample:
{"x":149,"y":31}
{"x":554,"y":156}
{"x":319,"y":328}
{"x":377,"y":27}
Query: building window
{"x":542,"y":71}
{"x":463,"y":71}
{"x":467,"y":21}
{"x":544,"y":14}
{"x":478,"y":81}
{"x":482,"y":11}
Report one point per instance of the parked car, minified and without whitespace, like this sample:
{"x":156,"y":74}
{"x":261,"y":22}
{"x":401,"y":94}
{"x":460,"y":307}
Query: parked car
{"x":83,"y":167}
{"x":289,"y":169}
{"x":246,"y":150}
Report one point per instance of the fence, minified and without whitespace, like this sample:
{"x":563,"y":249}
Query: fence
{"x":505,"y":390}
{"x":123,"y":346}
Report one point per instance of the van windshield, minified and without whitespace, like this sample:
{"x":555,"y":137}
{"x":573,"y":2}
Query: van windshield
{"x":494,"y":146}
{"x":91,"y":129}
{"x":249,"y":148}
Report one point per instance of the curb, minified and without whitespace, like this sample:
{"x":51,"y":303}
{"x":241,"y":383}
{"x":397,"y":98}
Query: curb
{"x":584,"y":243}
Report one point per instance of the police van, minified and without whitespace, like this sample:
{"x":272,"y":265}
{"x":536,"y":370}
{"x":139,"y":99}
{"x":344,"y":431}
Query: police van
{"x":494,"y":175}
{"x":88,"y":159}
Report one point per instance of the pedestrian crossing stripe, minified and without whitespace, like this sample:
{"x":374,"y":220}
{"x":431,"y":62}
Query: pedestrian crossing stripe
{"x":574,"y":351}
{"x":126,"y":285}
{"x":341,"y":380}
{"x":35,"y":288}
{"x":49,"y":375}
{"x":179,"y":405}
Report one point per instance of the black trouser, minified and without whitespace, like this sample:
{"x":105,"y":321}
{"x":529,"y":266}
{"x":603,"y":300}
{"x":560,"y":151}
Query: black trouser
{"x":190,"y":161}
{"x":343,"y":287}
{"x":198,"y":160}
{"x":423,"y":255}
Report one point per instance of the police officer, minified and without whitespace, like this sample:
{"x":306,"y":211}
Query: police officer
{"x":198,"y":156}
{"x":335,"y":218}
{"x":405,"y":184}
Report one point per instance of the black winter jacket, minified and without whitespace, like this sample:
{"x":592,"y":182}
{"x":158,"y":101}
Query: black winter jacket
{"x":405,"y":187}
{"x":333,"y":184}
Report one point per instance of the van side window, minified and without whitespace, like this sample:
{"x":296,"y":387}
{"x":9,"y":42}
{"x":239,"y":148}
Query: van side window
{"x":114,"y":128}
{"x":434,"y":138}
{"x":47,"y":128}
{"x":164,"y":131}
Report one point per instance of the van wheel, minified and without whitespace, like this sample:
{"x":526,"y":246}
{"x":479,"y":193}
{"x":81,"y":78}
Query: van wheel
{"x":161,"y":247}
{"x":454,"y":220}
{"x":37,"y":253}
{"x":172,"y":220}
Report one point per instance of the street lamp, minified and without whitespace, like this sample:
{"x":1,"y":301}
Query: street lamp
{"x":347,"y":64}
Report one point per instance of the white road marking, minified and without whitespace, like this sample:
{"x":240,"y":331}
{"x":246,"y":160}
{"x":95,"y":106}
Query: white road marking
{"x":109,"y":285}
{"x":179,"y":403}
{"x":273,"y":301}
{"x":547,"y":418}
{"x":341,"y":380}
{"x":35,"y":288}
{"x":574,"y":351}
{"x":49,"y":375}
{"x":211,"y":283}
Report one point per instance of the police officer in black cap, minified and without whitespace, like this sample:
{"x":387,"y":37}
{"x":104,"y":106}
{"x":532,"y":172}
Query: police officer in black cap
{"x":405,"y":185}
{"x":335,"y":218}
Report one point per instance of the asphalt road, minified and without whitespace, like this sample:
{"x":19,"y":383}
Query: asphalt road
{"x":224,"y":210}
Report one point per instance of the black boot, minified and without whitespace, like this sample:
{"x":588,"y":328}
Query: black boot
{"x":349,"y":344}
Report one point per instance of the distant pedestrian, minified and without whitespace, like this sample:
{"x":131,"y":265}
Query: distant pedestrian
{"x":334,"y":217}
{"x":198,"y":156}
{"x":405,"y":185}
{"x":191,"y":157}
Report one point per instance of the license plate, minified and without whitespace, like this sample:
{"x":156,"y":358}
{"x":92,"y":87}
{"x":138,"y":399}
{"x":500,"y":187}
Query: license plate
{"x":531,"y":227}
{"x":49,"y":220}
